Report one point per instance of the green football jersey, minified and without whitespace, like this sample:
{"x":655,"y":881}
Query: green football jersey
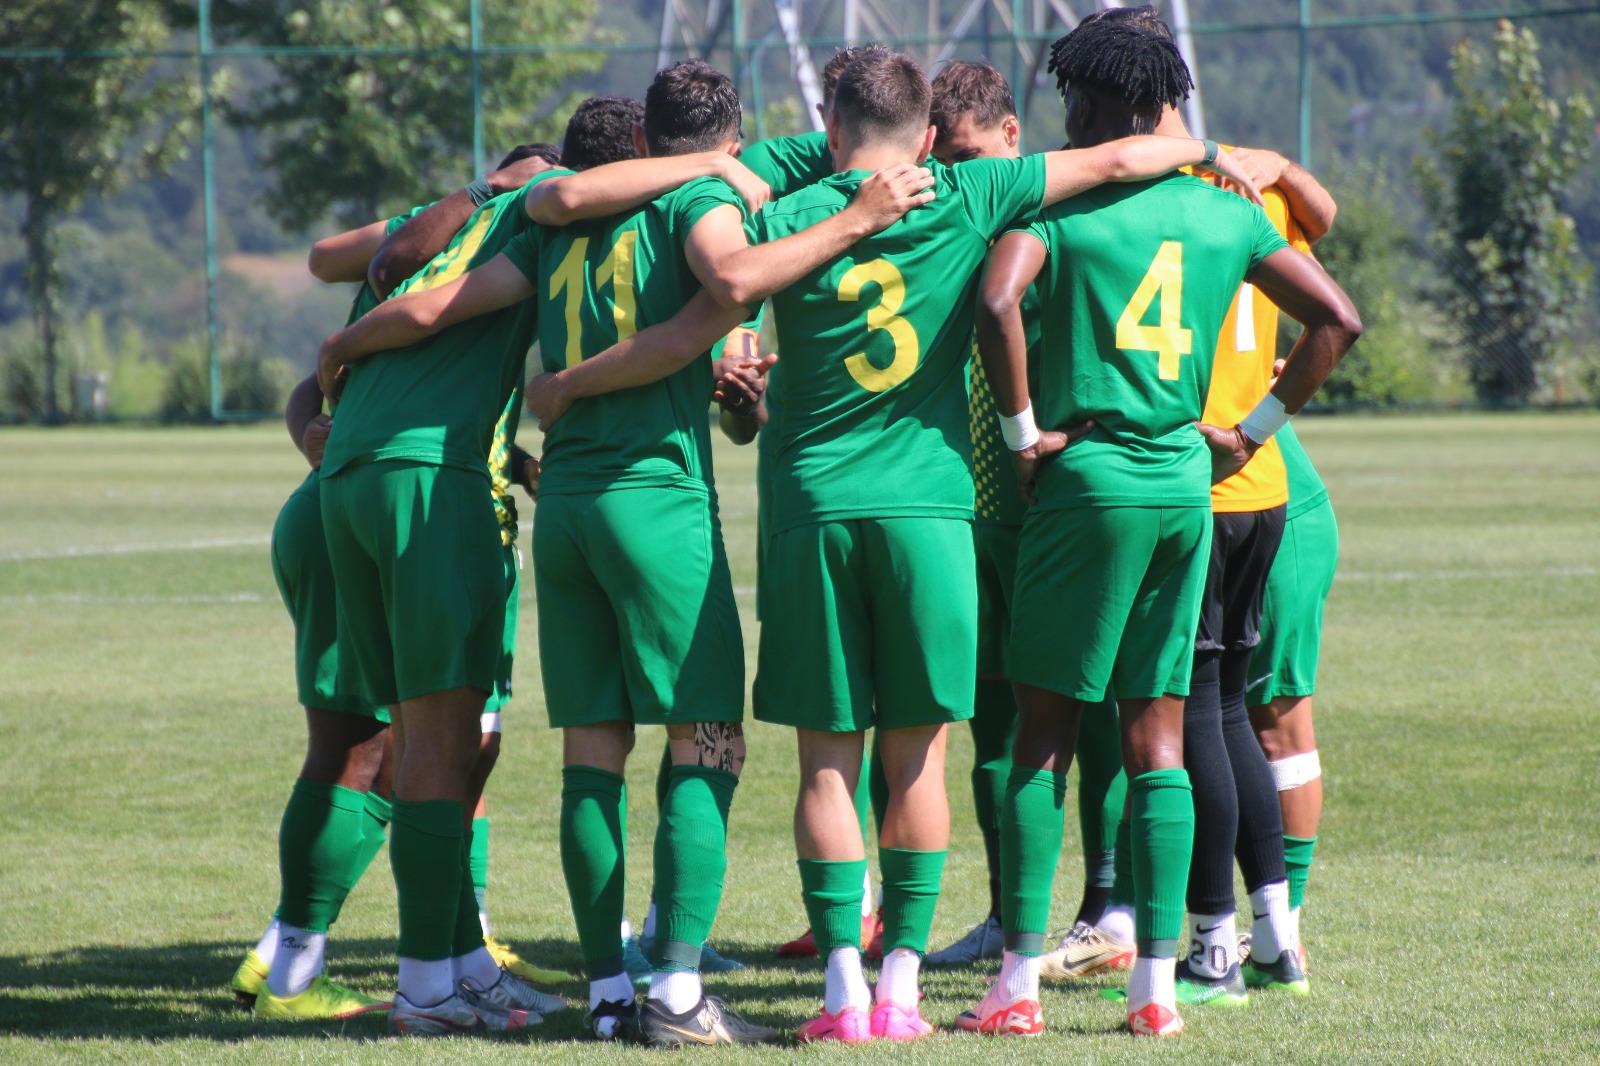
{"x":1138,"y":279}
{"x":500,"y":472}
{"x":1306,"y":489}
{"x":365,"y":299}
{"x":871,"y":419}
{"x":601,"y":281}
{"x":789,"y":164}
{"x":994,"y":480}
{"x":437,"y":401}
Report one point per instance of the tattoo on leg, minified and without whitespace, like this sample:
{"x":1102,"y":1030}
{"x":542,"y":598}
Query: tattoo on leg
{"x":719,"y":745}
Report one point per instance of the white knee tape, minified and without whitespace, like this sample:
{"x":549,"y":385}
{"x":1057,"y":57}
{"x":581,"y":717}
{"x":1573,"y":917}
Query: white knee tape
{"x":1296,"y":770}
{"x":491,"y":724}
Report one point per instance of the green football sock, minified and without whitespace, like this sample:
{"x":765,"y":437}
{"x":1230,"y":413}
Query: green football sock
{"x":319,"y":843}
{"x":593,"y":857}
{"x":1162,"y":835}
{"x":1298,"y":853}
{"x":832,"y":895}
{"x":1122,"y":891}
{"x":1102,"y":788}
{"x":478,"y":861}
{"x":469,"y":929}
{"x":374,"y":828}
{"x":910,"y":892}
{"x":691,"y":860}
{"x":1031,"y":822}
{"x":862,"y":798}
{"x":878,"y":786}
{"x":993,"y":718}
{"x":425,"y":852}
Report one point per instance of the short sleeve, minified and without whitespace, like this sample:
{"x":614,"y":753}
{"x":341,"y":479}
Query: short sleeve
{"x":523,"y":251}
{"x":1000,"y":192}
{"x":1265,"y":238}
{"x":789,"y":164}
{"x":400,"y":220}
{"x":699,"y":198}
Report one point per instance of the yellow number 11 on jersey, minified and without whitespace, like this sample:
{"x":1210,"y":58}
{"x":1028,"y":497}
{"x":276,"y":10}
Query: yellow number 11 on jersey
{"x":1168,"y":339}
{"x":568,"y":276}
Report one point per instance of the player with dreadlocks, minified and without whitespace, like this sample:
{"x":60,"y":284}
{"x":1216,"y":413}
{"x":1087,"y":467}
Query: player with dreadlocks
{"x":1134,"y":281}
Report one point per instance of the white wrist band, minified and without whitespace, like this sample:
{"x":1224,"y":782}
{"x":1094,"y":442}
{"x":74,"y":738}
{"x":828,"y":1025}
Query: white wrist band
{"x":1019,"y":429}
{"x":1267,"y":418}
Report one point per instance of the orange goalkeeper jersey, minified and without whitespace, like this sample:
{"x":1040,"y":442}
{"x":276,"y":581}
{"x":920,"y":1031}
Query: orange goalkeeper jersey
{"x":1240,"y":375}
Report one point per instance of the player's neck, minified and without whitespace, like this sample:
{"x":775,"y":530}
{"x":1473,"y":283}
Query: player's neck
{"x":874,"y":157}
{"x":1172,"y":124}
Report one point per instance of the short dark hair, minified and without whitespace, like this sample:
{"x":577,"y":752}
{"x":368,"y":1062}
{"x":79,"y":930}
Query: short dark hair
{"x":601,"y":131}
{"x":548,"y":152}
{"x":1117,"y":58}
{"x":841,"y":59}
{"x":968,"y":88}
{"x":690,"y":107}
{"x":884,"y":94}
{"x":1143,"y":17}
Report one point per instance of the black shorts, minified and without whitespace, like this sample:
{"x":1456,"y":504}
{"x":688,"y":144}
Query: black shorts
{"x":1243,"y":546}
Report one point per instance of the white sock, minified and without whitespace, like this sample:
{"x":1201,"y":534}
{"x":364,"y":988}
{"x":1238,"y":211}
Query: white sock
{"x":1213,"y":943}
{"x":678,"y":991}
{"x":1117,"y":923}
{"x":1294,"y":925}
{"x":650,"y":927}
{"x":267,"y":949}
{"x":897,"y":981}
{"x":1152,"y":981}
{"x":298,"y":961}
{"x":483,"y":923}
{"x":627,"y":930}
{"x":426,"y":982}
{"x":617,"y":988}
{"x":845,"y":985}
{"x":1019,"y":977}
{"x":476,"y":966}
{"x":866,"y":895}
{"x":1270,"y":933}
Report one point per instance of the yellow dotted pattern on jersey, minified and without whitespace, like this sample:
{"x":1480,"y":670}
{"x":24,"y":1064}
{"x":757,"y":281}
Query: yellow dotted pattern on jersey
{"x":986,"y":456}
{"x":505,"y":508}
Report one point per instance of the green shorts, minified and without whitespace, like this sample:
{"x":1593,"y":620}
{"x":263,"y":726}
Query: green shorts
{"x":869,"y":622}
{"x":511,"y":562}
{"x":422,"y":596}
{"x":1108,"y":600}
{"x":636,"y":615}
{"x":305,"y":581}
{"x":1291,"y":617}
{"x":996,"y":548}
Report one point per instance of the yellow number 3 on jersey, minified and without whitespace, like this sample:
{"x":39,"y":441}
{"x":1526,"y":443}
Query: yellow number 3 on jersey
{"x":1168,"y":339}
{"x":884,"y":315}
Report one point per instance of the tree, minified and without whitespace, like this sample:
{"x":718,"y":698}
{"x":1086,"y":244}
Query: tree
{"x":1516,"y":280}
{"x":369,"y":136}
{"x":79,"y":126}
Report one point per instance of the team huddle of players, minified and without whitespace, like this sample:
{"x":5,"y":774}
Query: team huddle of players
{"x":1007,"y":387}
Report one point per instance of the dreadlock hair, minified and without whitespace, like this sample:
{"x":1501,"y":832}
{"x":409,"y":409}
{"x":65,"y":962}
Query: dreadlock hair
{"x":548,"y":152}
{"x":601,"y":131}
{"x":690,"y":107}
{"x":841,"y":59}
{"x":1120,"y":60}
{"x":1143,"y":17}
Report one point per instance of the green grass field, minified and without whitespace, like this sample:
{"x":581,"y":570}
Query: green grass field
{"x":149,"y":735}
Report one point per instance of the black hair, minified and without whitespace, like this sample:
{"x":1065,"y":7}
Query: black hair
{"x":964,"y":87}
{"x":601,"y":131}
{"x":1117,"y":58}
{"x":548,"y":152}
{"x":884,"y":95}
{"x":690,"y":107}
{"x":1144,"y":17}
{"x":839,"y":61}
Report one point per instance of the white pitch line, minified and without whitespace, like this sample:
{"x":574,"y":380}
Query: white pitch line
{"x":96,"y":600}
{"x":1467,"y":575}
{"x":131,"y":549}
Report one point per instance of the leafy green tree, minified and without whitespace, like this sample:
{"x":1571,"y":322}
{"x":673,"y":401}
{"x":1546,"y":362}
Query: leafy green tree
{"x":78,"y":127}
{"x":1516,"y":280}
{"x":368,"y":135}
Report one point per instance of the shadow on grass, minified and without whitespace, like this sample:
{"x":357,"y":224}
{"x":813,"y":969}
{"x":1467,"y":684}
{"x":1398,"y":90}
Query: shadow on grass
{"x":181,"y":991}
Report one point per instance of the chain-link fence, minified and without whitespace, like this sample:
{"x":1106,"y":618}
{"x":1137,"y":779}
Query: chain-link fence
{"x":185,"y":293}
